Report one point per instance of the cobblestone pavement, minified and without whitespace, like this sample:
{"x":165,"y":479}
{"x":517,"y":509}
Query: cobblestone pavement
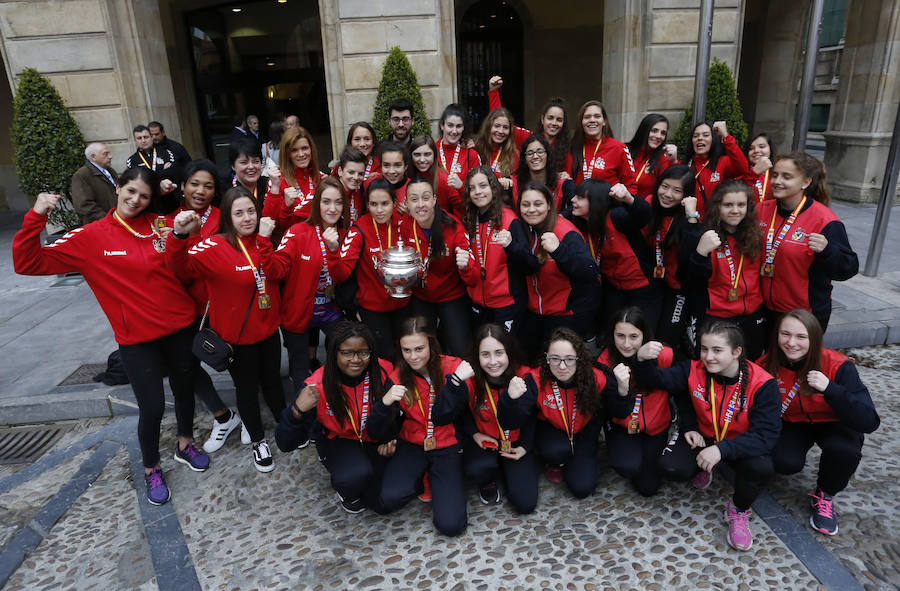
{"x":284,"y":530}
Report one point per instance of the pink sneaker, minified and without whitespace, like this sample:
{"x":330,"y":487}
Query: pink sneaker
{"x":702,"y":479}
{"x":739,"y":535}
{"x":555,"y":474}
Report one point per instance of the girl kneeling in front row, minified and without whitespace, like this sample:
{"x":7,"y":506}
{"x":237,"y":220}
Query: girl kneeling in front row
{"x":732,"y":416}
{"x":340,"y":395}
{"x":490,"y":446}
{"x":425,"y":449}
{"x":823,"y":402}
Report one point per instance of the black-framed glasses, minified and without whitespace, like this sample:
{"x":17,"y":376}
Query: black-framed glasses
{"x":362,"y":355}
{"x":533,"y":153}
{"x":401,"y":119}
{"x":556,"y":360}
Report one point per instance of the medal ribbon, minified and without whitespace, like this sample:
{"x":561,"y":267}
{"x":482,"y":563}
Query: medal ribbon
{"x":429,"y":426}
{"x":455,"y":156}
{"x":584,"y":163}
{"x":152,"y":233}
{"x":482,"y":255}
{"x":364,"y":414}
{"x":258,"y":275}
{"x":504,"y":434}
{"x":369,"y":166}
{"x":772,"y":247}
{"x":643,"y":168}
{"x":324,"y":276}
{"x":425,"y":259}
{"x":762,"y":187}
{"x":729,"y":413}
{"x":636,"y":411}
{"x":306,"y":197}
{"x":795,"y":389}
{"x":561,"y":407}
{"x":660,"y":236}
{"x":705,"y":164}
{"x":147,"y":164}
{"x":735,"y":277}
{"x":378,"y":235}
{"x":496,"y":161}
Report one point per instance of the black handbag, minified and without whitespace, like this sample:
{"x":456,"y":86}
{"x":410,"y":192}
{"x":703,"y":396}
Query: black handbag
{"x":212,"y":349}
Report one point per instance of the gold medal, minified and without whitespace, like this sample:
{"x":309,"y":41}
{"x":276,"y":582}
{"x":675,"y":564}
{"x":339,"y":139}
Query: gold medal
{"x":430,"y":443}
{"x":329,"y":292}
{"x":659,"y":272}
{"x":634,"y":426}
{"x":505,"y":445}
{"x":732,"y":294}
{"x":768,"y":270}
{"x":264,"y":301}
{"x":159,"y":223}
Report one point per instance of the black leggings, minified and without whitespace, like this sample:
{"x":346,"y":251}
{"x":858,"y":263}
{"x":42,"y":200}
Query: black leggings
{"x":636,"y":457}
{"x":672,"y":318}
{"x":646,"y":298}
{"x":536,"y":329}
{"x":356,"y":469}
{"x":751,"y":475}
{"x":841,"y":452}
{"x":146,"y":364}
{"x":297,"y":345}
{"x":509,"y":317}
{"x":520,"y":477}
{"x":451,"y":318}
{"x":258,"y":365}
{"x":580,"y":467}
{"x":384,"y":327}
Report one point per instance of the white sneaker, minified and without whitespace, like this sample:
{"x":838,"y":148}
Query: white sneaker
{"x":245,"y":435}
{"x":220,"y":432}
{"x":262,"y":457}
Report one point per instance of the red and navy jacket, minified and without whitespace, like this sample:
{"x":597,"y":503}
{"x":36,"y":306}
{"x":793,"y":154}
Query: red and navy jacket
{"x":442,"y":280}
{"x":521,"y":133}
{"x":291,"y":430}
{"x":612,"y":163}
{"x":208,"y":227}
{"x":564,"y":284}
{"x":647,"y":173}
{"x":654,"y":414}
{"x":468,"y":158}
{"x":360,"y":251}
{"x":756,"y":424}
{"x":231,"y":285}
{"x":563,"y":190}
{"x":413,"y":424}
{"x":139,"y":294}
{"x":730,"y":165}
{"x":299,"y":211}
{"x":803,"y":278}
{"x":670,"y":255}
{"x":448,"y":198}
{"x":761,"y":183}
{"x":539,"y":399}
{"x":845,"y":400}
{"x":709,"y":277}
{"x":505,"y":268}
{"x":625,"y":255}
{"x":298,"y":263}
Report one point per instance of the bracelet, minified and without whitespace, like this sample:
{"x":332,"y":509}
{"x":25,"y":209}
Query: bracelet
{"x":180,"y":236}
{"x":693,"y":216}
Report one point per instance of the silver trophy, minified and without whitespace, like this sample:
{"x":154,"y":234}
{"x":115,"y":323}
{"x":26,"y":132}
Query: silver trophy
{"x":399,"y":268}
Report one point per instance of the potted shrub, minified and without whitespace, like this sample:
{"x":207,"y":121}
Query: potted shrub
{"x":398,"y":80}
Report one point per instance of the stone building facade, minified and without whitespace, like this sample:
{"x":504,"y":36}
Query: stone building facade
{"x":122,"y":62}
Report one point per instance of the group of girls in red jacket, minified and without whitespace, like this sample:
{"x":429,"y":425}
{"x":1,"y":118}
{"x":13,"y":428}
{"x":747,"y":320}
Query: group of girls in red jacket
{"x":553,"y":242}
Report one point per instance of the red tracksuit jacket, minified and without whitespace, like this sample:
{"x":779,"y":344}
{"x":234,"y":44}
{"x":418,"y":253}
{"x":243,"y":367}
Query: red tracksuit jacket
{"x":645,"y":177}
{"x":552,"y":289}
{"x":139,"y":294}
{"x":502,"y":283}
{"x":299,"y":211}
{"x":730,"y":165}
{"x":761,"y":183}
{"x":716,"y":273}
{"x":443,"y":279}
{"x":654,"y":414}
{"x":359,"y":405}
{"x":208,"y":228}
{"x":413,"y":428}
{"x":624,"y":255}
{"x":669,"y":255}
{"x":467,"y":159}
{"x":611,"y":163}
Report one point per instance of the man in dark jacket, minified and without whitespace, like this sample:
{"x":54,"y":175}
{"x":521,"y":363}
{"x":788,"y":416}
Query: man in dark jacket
{"x":94,"y":184}
{"x":161,"y":140}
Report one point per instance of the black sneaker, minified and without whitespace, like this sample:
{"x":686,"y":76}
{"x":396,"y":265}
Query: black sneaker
{"x":354,"y":506}
{"x":823,"y":518}
{"x":304,"y":444}
{"x":489,"y":493}
{"x":262,"y":457}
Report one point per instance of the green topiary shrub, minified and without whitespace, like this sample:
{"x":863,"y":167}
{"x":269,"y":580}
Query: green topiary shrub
{"x":47,"y":144}
{"x":398,"y":80}
{"x":721,"y":105}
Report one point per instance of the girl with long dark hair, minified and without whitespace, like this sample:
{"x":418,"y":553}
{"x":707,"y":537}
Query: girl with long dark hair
{"x":760,"y":153}
{"x":566,"y":392}
{"x":426,"y":450}
{"x":536,"y":163}
{"x":596,"y":153}
{"x":422,"y":150}
{"x":339,"y":397}
{"x":455,"y":159}
{"x":361,"y":136}
{"x":824,"y":403}
{"x":496,"y":145}
{"x":805,"y":244}
{"x":714,"y":156}
{"x":147,"y":306}
{"x":293,"y":185}
{"x":649,"y":153}
{"x":730,"y":414}
{"x":490,"y":448}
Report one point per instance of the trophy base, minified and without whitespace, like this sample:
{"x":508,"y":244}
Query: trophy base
{"x":402,"y":294}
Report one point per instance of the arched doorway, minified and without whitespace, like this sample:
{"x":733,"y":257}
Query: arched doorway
{"x":490,"y":41}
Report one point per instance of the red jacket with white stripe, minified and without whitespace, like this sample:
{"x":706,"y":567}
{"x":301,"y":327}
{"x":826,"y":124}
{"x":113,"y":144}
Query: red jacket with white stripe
{"x":208,"y":228}
{"x":139,"y":294}
{"x":730,"y":165}
{"x":300,"y":209}
{"x":564,"y":284}
{"x":443,"y":279}
{"x":612,"y":163}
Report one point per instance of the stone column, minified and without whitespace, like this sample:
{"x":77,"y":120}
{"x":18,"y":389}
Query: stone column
{"x":106,"y":57}
{"x":862,"y":119}
{"x":357,"y":36}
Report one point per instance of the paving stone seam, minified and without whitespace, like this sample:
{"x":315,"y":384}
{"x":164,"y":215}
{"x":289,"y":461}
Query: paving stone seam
{"x":30,"y":536}
{"x":171,"y":558}
{"x":117,"y":431}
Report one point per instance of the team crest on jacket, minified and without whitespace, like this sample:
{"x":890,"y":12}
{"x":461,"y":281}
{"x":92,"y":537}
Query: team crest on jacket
{"x":550,"y":403}
{"x":715,"y":178}
{"x":601,"y":164}
{"x":699,"y":393}
{"x":798,"y":234}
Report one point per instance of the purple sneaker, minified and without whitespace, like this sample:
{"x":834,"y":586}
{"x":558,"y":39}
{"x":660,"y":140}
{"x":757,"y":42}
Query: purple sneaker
{"x":739,"y":535}
{"x":157,"y":491}
{"x":192,"y":458}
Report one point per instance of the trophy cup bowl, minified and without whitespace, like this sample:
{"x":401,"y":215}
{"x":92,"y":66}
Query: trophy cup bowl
{"x":399,"y":268}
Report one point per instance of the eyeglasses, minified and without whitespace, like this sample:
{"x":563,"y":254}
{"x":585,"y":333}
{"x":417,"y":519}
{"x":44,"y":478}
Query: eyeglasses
{"x":556,"y":360}
{"x":348,"y":354}
{"x":401,"y":119}
{"x":533,"y":153}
